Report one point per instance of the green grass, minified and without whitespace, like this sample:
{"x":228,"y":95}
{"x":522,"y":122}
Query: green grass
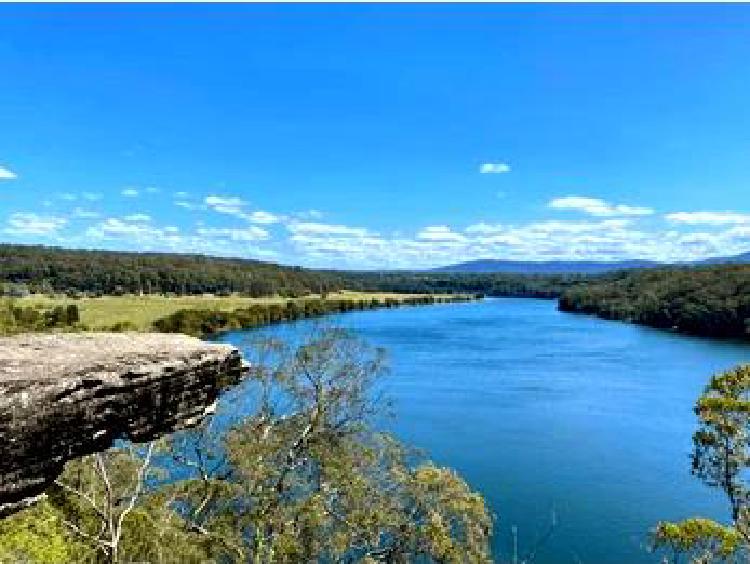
{"x":141,"y":311}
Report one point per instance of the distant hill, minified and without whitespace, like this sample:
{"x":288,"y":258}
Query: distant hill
{"x":738,"y":259}
{"x":546,"y":267}
{"x":50,"y":269}
{"x":710,"y":300}
{"x":573,"y":266}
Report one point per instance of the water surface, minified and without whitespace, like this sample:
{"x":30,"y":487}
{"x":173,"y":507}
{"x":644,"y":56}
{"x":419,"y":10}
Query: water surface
{"x":543,"y":411}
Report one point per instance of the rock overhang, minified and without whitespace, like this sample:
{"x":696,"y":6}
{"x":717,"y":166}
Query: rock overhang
{"x":66,"y":395}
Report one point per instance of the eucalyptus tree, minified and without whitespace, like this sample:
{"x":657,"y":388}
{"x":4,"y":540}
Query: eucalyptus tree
{"x":305,"y":477}
{"x":720,"y":458}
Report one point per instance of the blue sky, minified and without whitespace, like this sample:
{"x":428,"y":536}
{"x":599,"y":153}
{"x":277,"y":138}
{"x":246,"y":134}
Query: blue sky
{"x":378,"y":136}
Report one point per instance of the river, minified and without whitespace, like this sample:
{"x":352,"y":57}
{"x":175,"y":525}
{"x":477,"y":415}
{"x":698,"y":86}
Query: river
{"x":548,"y":413}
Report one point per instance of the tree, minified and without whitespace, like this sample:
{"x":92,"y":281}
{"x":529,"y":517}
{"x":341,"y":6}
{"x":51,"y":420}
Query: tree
{"x":303,"y":478}
{"x":114,"y":508}
{"x":37,"y":535}
{"x":720,"y":458}
{"x":306,"y":478}
{"x":722,"y":443}
{"x":100,"y":495}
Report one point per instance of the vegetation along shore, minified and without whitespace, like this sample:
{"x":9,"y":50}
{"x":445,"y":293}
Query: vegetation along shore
{"x":141,"y":291}
{"x":711,"y":301}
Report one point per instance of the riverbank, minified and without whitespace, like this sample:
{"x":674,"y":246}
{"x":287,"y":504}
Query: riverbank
{"x":203,"y":322}
{"x":209,"y":314}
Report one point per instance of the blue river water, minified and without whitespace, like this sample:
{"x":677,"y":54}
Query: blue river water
{"x":547,"y":413}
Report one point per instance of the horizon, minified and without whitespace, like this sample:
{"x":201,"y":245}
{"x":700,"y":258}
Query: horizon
{"x":362,"y":137}
{"x":615,"y":262}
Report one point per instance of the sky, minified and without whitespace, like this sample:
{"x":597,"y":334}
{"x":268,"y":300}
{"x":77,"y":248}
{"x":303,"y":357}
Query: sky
{"x":378,"y":136}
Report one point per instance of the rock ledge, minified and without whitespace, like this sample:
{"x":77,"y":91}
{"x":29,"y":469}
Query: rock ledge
{"x":70,"y":394}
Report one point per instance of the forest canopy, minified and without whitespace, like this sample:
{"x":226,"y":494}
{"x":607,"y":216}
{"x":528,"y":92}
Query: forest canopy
{"x":712,"y":301}
{"x":39,"y":269}
{"x":707,"y":300}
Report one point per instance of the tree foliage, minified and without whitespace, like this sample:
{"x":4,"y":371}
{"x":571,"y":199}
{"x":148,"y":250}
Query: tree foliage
{"x":711,"y":301}
{"x":37,"y":535}
{"x":207,"y":321}
{"x":721,"y":459}
{"x":42,"y":269}
{"x":700,"y":540}
{"x":303,"y":478}
{"x":46,"y":270}
{"x":15,"y":318}
{"x":489,"y":283}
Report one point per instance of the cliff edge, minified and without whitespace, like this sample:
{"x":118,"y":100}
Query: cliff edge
{"x":67,"y":395}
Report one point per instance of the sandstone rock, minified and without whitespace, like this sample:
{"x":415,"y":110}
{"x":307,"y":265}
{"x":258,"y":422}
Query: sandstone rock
{"x":70,"y":394}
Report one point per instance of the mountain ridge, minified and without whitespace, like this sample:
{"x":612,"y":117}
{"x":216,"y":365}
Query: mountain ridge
{"x":576,"y":266}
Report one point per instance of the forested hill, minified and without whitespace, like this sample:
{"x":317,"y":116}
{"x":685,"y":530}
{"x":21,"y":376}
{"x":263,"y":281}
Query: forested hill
{"x":546,"y":267}
{"x":41,"y":269}
{"x":577,"y":266}
{"x":51,"y":269}
{"x":711,"y":301}
{"x":489,"y":284}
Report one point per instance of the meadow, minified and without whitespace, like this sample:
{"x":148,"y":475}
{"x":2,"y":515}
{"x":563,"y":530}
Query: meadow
{"x":140,"y":312}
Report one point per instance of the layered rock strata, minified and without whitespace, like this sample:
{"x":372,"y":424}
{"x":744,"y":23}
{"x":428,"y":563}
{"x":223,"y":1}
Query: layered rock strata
{"x":66,"y":395}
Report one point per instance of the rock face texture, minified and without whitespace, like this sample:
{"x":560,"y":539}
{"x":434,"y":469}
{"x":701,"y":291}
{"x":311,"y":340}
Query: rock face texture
{"x":67,"y":395}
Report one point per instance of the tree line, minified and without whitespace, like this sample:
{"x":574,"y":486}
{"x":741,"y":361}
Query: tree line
{"x":50,"y":270}
{"x":712,"y":301}
{"x":489,"y":284}
{"x":208,"y":321}
{"x":16,"y":318}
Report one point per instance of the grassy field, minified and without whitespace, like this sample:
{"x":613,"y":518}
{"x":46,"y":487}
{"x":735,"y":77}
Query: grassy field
{"x":142,"y":311}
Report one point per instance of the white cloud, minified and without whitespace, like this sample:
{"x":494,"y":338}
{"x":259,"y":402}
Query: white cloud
{"x":7,"y":174}
{"x":439,"y":233}
{"x":549,"y":227}
{"x":494,"y":168}
{"x":115,"y":226}
{"x":263,"y":217}
{"x":124,"y":232}
{"x":224,"y":201}
{"x":709,"y":218}
{"x":130,"y":193}
{"x":485,"y":228}
{"x":604,"y":239}
{"x":607,"y":232}
{"x":26,"y":223}
{"x":72,"y":197}
{"x":250,"y":233}
{"x":597,"y":207}
{"x":152,"y":190}
{"x":234,"y":206}
{"x":188,"y":205}
{"x":230,"y":205}
{"x":85,"y":214}
{"x":137,"y":217}
{"x":314,"y":228}
{"x":133,"y":229}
